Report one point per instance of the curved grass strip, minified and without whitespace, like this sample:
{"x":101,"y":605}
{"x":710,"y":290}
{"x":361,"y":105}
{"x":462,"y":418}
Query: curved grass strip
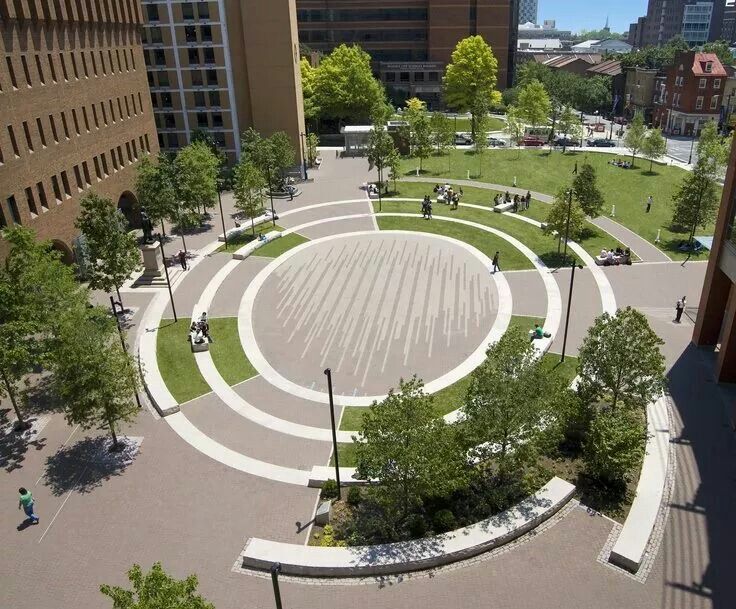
{"x":280,"y":245}
{"x":176,"y":361}
{"x":227,"y":352}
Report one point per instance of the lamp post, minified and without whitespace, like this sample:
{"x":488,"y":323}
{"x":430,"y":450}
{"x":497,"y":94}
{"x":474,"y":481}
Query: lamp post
{"x":304,"y":154}
{"x":567,"y":225}
{"x":328,"y":372}
{"x":692,"y":145}
{"x":166,"y":270}
{"x":222,"y":217}
{"x":569,"y":306}
{"x":270,"y":194}
{"x":275,"y":570}
{"x":380,"y":184}
{"x":181,"y":229}
{"x":122,"y":338}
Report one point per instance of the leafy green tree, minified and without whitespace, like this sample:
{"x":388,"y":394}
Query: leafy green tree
{"x":204,"y":136}
{"x":713,"y":148}
{"x":697,"y":198}
{"x":393,"y":163}
{"x":156,"y":590}
{"x":635,"y":136}
{"x":585,"y":187}
{"x":556,"y":222}
{"x":380,"y":148}
{"x":443,"y":132}
{"x":514,"y":124}
{"x":592,"y":94}
{"x":309,"y":77}
{"x":273,"y":156}
{"x":620,"y":360}
{"x":721,"y":49}
{"x":481,"y":138}
{"x":471,"y":76}
{"x":615,"y":445}
{"x":248,"y":185}
{"x":312,"y":143}
{"x":282,"y":152}
{"x":155,"y":189}
{"x":113,"y":252}
{"x":344,"y":86}
{"x":197,"y":169}
{"x":568,"y":124}
{"x":654,"y":146}
{"x":93,"y":376}
{"x":509,"y":397}
{"x":655,"y":57}
{"x":420,"y":132}
{"x":410,"y":451}
{"x":35,"y":286}
{"x":534,"y":104}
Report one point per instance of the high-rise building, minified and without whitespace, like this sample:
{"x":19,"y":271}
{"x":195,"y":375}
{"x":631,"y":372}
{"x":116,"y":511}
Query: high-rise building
{"x":411,"y":41}
{"x":222,"y":66}
{"x":696,"y":21}
{"x":663,"y":21}
{"x":76,"y":112}
{"x":528,"y":11}
{"x":728,"y":28}
{"x":668,"y":18}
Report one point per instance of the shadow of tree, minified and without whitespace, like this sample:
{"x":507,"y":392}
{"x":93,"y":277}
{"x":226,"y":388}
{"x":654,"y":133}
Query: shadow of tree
{"x":85,"y":465}
{"x":15,"y":445}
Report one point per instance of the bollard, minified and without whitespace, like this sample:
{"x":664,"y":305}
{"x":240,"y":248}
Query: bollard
{"x":468,"y":174}
{"x":613,"y":211}
{"x":659,"y":234}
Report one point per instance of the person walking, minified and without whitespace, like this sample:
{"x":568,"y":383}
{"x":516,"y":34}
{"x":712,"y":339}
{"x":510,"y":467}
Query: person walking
{"x":527,"y":199}
{"x":182,"y":255}
{"x":679,"y":308}
{"x":26,"y":502}
{"x":496,"y":265}
{"x":650,"y":200}
{"x":429,"y":210}
{"x":575,"y":169}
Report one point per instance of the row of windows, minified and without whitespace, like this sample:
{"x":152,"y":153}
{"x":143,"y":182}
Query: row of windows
{"x":702,"y":83}
{"x":97,"y":115}
{"x":167,"y":120}
{"x":187,"y":11}
{"x":699,"y":101}
{"x":406,"y":77}
{"x":192,"y":34}
{"x":165,"y":100}
{"x":378,"y":14}
{"x":61,"y":186}
{"x":195,"y":56}
{"x":60,"y":65}
{"x":372,"y":35}
{"x":209,"y":78}
{"x":171,"y":140}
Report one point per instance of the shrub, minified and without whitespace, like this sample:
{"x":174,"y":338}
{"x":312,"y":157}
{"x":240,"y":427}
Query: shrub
{"x":329,"y":489}
{"x":444,"y":520}
{"x":354,"y":496}
{"x":328,"y":538}
{"x":615,"y":445}
{"x":416,"y":525}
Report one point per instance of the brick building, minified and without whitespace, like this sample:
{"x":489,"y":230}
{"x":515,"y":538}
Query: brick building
{"x":222,"y":66}
{"x":411,"y":41}
{"x":692,"y":93}
{"x":76,"y":112}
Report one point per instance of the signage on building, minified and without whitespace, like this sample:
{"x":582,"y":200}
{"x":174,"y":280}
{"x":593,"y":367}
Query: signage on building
{"x":409,"y":66}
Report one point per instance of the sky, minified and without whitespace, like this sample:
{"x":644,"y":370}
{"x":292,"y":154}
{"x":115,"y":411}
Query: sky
{"x":591,"y":14}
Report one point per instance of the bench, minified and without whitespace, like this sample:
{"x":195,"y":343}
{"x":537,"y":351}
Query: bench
{"x":413,"y":555}
{"x":245,"y":227}
{"x":502,"y":207}
{"x":198,"y":347}
{"x":252,"y":246}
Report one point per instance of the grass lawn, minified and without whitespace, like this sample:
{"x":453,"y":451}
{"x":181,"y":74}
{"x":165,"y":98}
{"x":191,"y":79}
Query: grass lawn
{"x":547,"y":172}
{"x":465,"y":124}
{"x":280,"y":245}
{"x":176,"y":361}
{"x":227,"y":351}
{"x":234,"y":244}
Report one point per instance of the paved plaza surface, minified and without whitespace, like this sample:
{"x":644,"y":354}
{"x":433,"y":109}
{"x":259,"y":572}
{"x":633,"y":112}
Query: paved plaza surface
{"x":175,"y":504}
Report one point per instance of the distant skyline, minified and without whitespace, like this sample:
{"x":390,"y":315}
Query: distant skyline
{"x":578,"y":15}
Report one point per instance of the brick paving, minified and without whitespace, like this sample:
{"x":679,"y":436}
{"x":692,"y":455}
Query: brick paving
{"x":173,"y":504}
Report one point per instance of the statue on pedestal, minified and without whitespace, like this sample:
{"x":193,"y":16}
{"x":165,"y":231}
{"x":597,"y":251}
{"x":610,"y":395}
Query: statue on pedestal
{"x":147,"y":227}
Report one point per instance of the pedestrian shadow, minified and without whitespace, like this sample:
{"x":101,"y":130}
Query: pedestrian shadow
{"x":84,"y":466}
{"x":25,"y":524}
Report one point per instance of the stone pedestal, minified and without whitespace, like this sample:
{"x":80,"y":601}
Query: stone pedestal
{"x":152,"y":260}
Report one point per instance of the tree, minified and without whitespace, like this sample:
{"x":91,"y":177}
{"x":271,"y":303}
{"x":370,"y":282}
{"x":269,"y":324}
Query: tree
{"x":615,"y":445}
{"x":156,"y":590}
{"x":713,"y":148}
{"x":344,"y":86}
{"x":569,"y":125}
{"x":420,"y":132}
{"x":410,"y":451}
{"x":380,"y":148}
{"x":635,"y":134}
{"x":654,"y":146}
{"x":312,"y":143}
{"x":534,"y":104}
{"x":197,"y":169}
{"x":471,"y":76}
{"x":309,"y":77}
{"x":508,"y":399}
{"x":393,"y":163}
{"x":272,"y":155}
{"x":721,"y":49}
{"x":585,"y":187}
{"x":113,"y":253}
{"x":697,"y":198}
{"x":443,"y":132}
{"x":592,"y":94}
{"x":514,"y":124}
{"x":35,"y":286}
{"x":620,"y":360}
{"x":248,"y":185}
{"x":155,"y":189}
{"x":94,"y":377}
{"x":481,"y":138}
{"x":282,"y":152}
{"x":557,"y":223}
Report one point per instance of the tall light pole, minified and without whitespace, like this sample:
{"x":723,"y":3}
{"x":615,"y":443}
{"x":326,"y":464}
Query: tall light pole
{"x":304,"y":154}
{"x":166,"y":270}
{"x":270,"y":194}
{"x":122,"y":339}
{"x":222,"y":216}
{"x":569,"y":306}
{"x":275,"y":570}
{"x":328,"y":372}
{"x":567,"y":225}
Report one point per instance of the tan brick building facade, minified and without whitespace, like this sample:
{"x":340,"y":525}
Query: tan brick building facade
{"x":76,"y":111}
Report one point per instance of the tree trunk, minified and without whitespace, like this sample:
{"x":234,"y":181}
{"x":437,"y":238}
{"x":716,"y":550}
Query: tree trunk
{"x":651,"y":164}
{"x":115,"y":443}
{"x":253,"y":225}
{"x":22,"y":424}
{"x":120,"y":300}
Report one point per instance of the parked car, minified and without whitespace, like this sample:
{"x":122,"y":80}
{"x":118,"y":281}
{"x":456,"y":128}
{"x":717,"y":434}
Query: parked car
{"x":566,"y":141}
{"x":496,"y":142}
{"x":602,"y":143}
{"x":463,"y":139}
{"x":531,"y":140}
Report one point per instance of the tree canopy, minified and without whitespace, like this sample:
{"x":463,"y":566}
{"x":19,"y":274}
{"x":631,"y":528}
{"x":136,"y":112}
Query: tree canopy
{"x":556,"y":221}
{"x":534,"y":104}
{"x":587,"y":193}
{"x":654,"y":146}
{"x":248,"y":185}
{"x":155,"y":188}
{"x":197,"y":169}
{"x":635,"y":135}
{"x":696,"y":199}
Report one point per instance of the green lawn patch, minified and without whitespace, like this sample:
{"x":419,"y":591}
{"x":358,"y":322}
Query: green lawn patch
{"x":464,"y":125}
{"x":227,"y":351}
{"x":234,"y":244}
{"x":278,"y":246}
{"x":547,"y":172}
{"x":176,"y":361}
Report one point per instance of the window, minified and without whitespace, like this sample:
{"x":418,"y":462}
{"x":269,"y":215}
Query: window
{"x":13,"y":142}
{"x":65,"y":183}
{"x":102,"y":63}
{"x":152,"y":12}
{"x":163,"y":79}
{"x":190,"y":33}
{"x":196,"y":78}
{"x":209,"y":55}
{"x":204,"y":10}
{"x":127,"y":107}
{"x":187,"y":11}
{"x":125,"y":57}
{"x":85,"y":172}
{"x":135,"y":150}
{"x":94,"y":117}
{"x":94,"y":62}
{"x":160,"y":57}
{"x":418,"y":76}
{"x":172,"y":140}
{"x":702,"y":83}
{"x":148,"y":144}
{"x":717,"y":83}
{"x":129,"y":152}
{"x":42,"y":196}
{"x":31,"y":202}
{"x":714,"y":102}
{"x":206,"y":33}
{"x":63,"y":67}
{"x":57,"y":190}
{"x":11,"y":72}
{"x":3,"y":221}
{"x":103,"y":160}
{"x":76,"y":122}
{"x":27,"y":133}
{"x":74,"y":66}
{"x":155,"y":36}
{"x":199,"y":99}
{"x":13,"y":206}
{"x":193,"y":55}
{"x":98,"y":171}
{"x":114,"y":159}
{"x":65,"y":125}
{"x":51,"y":67}
{"x":78,"y":178}
{"x":104,"y":113}
{"x":699,"y":103}
{"x":112,"y":110}
{"x":390,"y":76}
{"x":709,"y":67}
{"x":120,"y":109}
{"x":433,"y":76}
{"x":202,"y":119}
{"x":404,"y":76}
{"x":169,"y":121}
{"x":84,"y":65}
{"x":214,"y":99}
{"x":39,"y":126}
{"x":53,"y":128}
{"x":26,"y":71}
{"x":135,"y":107}
{"x":212,"y":77}
{"x":217,"y":119}
{"x":86,"y":118}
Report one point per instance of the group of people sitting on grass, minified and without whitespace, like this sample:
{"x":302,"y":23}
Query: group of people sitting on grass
{"x":448,"y":195}
{"x":200,"y":330}
{"x":622,"y":164}
{"x":615,"y":256}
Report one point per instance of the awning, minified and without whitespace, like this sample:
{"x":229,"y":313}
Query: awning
{"x":706,"y":242}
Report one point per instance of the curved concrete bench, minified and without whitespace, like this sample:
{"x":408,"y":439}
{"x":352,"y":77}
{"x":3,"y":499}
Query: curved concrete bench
{"x":245,"y":227}
{"x":251,"y":247}
{"x":411,"y":555}
{"x":630,"y":547}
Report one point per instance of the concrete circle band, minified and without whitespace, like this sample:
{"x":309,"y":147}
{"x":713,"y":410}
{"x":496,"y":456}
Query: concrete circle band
{"x":261,"y":364}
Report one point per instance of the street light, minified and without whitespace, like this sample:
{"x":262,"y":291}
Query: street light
{"x":304,"y":154}
{"x":166,"y":270}
{"x":567,"y":225}
{"x":275,"y":570}
{"x":328,"y":372}
{"x":122,"y":338}
{"x":569,"y":306}
{"x":222,"y":217}
{"x":270,"y":194}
